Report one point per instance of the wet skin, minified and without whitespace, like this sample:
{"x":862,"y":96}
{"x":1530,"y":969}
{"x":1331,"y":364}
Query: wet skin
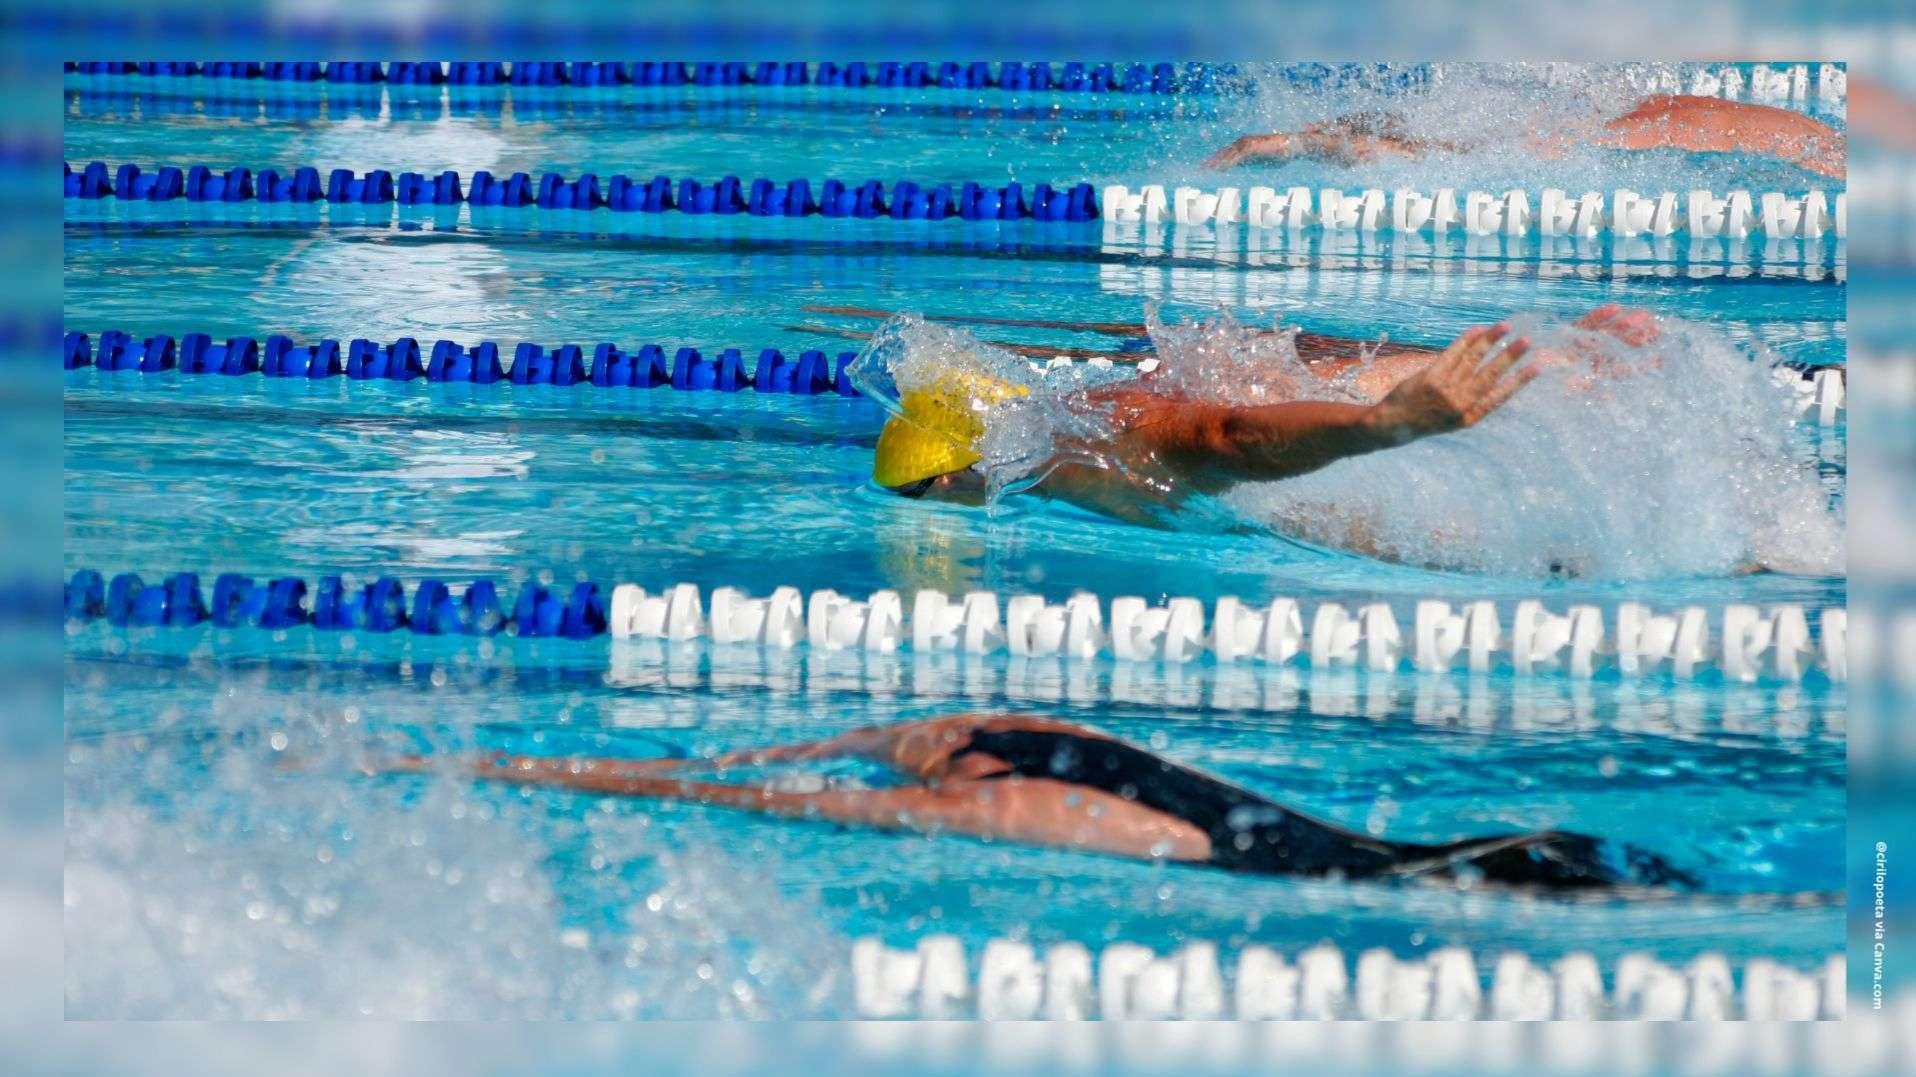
{"x":1664,"y":121}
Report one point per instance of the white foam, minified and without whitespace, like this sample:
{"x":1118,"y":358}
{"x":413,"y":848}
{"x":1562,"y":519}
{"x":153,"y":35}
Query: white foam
{"x":1670,"y":459}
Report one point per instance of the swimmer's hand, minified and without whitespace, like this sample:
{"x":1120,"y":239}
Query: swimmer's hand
{"x":1271,"y":147}
{"x":1594,"y":359}
{"x":1632,"y":325}
{"x":1457,"y":390}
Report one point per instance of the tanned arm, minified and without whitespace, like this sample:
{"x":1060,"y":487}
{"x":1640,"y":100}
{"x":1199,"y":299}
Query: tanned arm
{"x":1035,"y":811}
{"x":1213,"y":446}
{"x":1714,"y":125}
{"x":1673,"y":121}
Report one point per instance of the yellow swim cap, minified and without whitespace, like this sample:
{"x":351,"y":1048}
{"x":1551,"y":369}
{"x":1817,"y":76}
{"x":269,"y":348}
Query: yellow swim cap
{"x":936,"y":429}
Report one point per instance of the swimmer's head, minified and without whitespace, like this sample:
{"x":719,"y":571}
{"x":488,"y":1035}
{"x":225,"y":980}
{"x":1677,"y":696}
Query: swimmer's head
{"x":931,"y":441}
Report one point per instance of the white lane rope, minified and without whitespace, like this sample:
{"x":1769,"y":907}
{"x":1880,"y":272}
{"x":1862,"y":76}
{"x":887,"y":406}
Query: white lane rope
{"x":1013,"y":980}
{"x":1740,"y":642}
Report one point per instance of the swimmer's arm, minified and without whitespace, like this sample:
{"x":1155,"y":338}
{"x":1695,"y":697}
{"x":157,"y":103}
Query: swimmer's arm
{"x":1216,"y":445}
{"x":1027,"y":810}
{"x":1716,"y":125}
{"x":1255,"y":149}
{"x":1356,"y":137}
{"x":1338,"y":140}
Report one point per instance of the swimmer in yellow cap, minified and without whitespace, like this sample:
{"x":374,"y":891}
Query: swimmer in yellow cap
{"x":1182,"y":446}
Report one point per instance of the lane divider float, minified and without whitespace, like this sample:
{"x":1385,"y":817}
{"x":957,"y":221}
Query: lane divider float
{"x":1776,"y":84}
{"x":1012,"y":980}
{"x":1818,"y":394}
{"x":1741,"y":642}
{"x":810,"y":373}
{"x":1135,"y":78}
{"x":1827,"y":84}
{"x":304,"y":101}
{"x":1698,"y":213}
{"x":1529,"y":705}
{"x":1124,"y":253}
{"x":728,"y":196}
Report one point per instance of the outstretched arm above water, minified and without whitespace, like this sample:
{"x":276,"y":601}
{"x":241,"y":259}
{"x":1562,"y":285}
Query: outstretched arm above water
{"x":1714,"y":125}
{"x":1212,"y":446}
{"x":970,"y":793}
{"x":1360,"y":136}
{"x":1665,"y":121}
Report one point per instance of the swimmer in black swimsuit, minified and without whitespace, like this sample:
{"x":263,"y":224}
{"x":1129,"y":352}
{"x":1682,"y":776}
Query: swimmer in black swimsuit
{"x":1050,"y":783}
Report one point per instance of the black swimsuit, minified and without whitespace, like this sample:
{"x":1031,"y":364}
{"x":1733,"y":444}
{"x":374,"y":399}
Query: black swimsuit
{"x":1252,"y":834}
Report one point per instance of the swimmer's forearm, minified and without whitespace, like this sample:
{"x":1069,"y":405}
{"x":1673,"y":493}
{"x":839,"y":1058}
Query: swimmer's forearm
{"x":1275,"y":441}
{"x":903,"y":808}
{"x":1281,"y":440}
{"x":1216,"y":445}
{"x":1004,"y":815}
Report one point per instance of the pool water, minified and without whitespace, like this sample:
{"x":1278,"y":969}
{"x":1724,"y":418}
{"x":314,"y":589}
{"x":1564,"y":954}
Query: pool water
{"x":226,"y":858}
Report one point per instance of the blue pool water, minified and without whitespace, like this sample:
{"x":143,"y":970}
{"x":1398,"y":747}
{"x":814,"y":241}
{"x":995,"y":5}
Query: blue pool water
{"x":208,"y":876}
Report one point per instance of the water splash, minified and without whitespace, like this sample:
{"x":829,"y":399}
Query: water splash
{"x":204,"y":882}
{"x":1222,"y":360}
{"x":1673,"y":458}
{"x":1491,"y":125}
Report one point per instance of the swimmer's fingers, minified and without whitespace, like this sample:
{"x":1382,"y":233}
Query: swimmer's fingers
{"x":1488,"y":375}
{"x":1469,"y":349}
{"x":1453,"y":356}
{"x":1488,"y":343}
{"x":1496,"y":397}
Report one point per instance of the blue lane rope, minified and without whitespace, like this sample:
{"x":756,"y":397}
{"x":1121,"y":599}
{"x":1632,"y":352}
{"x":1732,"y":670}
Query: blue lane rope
{"x":382,"y":606}
{"x":903,"y":200}
{"x":249,"y":101}
{"x":810,"y":373}
{"x":1136,"y":78}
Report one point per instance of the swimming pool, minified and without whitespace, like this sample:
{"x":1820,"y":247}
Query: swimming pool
{"x":204,"y":878}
